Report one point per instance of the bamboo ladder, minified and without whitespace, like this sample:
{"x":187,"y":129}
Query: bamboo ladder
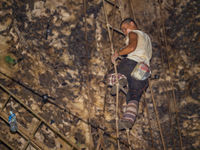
{"x":115,"y":69}
{"x":170,"y":71}
{"x":154,"y":103}
{"x":29,"y":137}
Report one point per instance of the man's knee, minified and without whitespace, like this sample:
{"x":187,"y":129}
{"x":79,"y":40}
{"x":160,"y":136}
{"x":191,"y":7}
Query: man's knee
{"x":112,"y":78}
{"x":136,"y":90}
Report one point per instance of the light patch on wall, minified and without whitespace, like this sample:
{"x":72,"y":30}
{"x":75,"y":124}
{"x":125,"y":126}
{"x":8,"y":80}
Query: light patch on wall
{"x":39,"y":9}
{"x":5,"y":23}
{"x":98,"y":36}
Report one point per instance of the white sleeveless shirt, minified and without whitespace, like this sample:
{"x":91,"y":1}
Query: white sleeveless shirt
{"x":143,"y":51}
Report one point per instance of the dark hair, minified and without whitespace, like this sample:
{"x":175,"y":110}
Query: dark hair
{"x":128,"y":20}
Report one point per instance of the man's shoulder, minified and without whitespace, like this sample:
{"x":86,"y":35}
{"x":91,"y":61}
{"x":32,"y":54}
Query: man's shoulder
{"x":135,"y":32}
{"x":140,"y":32}
{"x":133,"y":35}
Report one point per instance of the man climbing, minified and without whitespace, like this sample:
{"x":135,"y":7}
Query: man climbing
{"x":134,"y":68}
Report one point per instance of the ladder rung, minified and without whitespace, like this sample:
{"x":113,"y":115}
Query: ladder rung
{"x":114,"y":29}
{"x":111,"y":3}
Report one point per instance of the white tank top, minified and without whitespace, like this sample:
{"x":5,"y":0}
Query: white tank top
{"x":143,"y":51}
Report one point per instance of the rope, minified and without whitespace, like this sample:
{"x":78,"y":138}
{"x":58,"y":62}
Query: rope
{"x":154,"y":103}
{"x":158,"y":122}
{"x":127,"y":132}
{"x":121,"y":9}
{"x":157,"y":116}
{"x":150,"y":128}
{"x":115,"y":68}
{"x":170,"y":73}
{"x":132,"y":10}
{"x":168,"y":95}
{"x":101,"y":139}
{"x":123,"y":17}
{"x":91,"y":144}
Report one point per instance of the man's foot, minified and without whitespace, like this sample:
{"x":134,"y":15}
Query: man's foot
{"x":122,"y":124}
{"x":122,"y":83}
{"x":129,"y":115}
{"x":125,"y":124}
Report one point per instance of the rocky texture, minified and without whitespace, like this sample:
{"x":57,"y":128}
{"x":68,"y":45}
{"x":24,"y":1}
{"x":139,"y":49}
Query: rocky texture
{"x":48,"y":38}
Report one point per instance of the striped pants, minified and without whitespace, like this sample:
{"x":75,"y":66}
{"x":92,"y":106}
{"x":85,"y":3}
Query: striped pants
{"x":136,"y":88}
{"x":131,"y":111}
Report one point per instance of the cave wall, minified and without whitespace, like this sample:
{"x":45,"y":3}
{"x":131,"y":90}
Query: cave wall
{"x":72,"y":71}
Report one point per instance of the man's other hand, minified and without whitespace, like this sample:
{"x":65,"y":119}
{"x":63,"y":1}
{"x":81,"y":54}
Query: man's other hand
{"x":114,"y":57}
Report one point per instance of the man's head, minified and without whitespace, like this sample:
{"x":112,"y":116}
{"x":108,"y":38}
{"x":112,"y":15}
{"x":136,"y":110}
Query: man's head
{"x":127,"y":25}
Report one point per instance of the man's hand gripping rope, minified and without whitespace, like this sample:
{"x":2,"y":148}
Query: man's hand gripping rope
{"x":121,"y":82}
{"x":114,"y":57}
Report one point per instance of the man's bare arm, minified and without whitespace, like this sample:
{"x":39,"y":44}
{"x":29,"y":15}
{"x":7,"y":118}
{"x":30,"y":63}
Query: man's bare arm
{"x":131,"y":46}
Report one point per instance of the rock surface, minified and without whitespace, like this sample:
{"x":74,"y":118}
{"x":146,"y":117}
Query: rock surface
{"x":48,"y":38}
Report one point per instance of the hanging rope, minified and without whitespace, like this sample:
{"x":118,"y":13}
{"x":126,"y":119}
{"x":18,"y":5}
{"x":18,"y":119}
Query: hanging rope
{"x":157,"y":116}
{"x":123,"y":17}
{"x":101,"y":139}
{"x":168,"y":95}
{"x":149,"y":122}
{"x":154,"y":103}
{"x":91,"y":144}
{"x":132,"y":10}
{"x":128,"y":137}
{"x":115,"y":68}
{"x":170,"y":73}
